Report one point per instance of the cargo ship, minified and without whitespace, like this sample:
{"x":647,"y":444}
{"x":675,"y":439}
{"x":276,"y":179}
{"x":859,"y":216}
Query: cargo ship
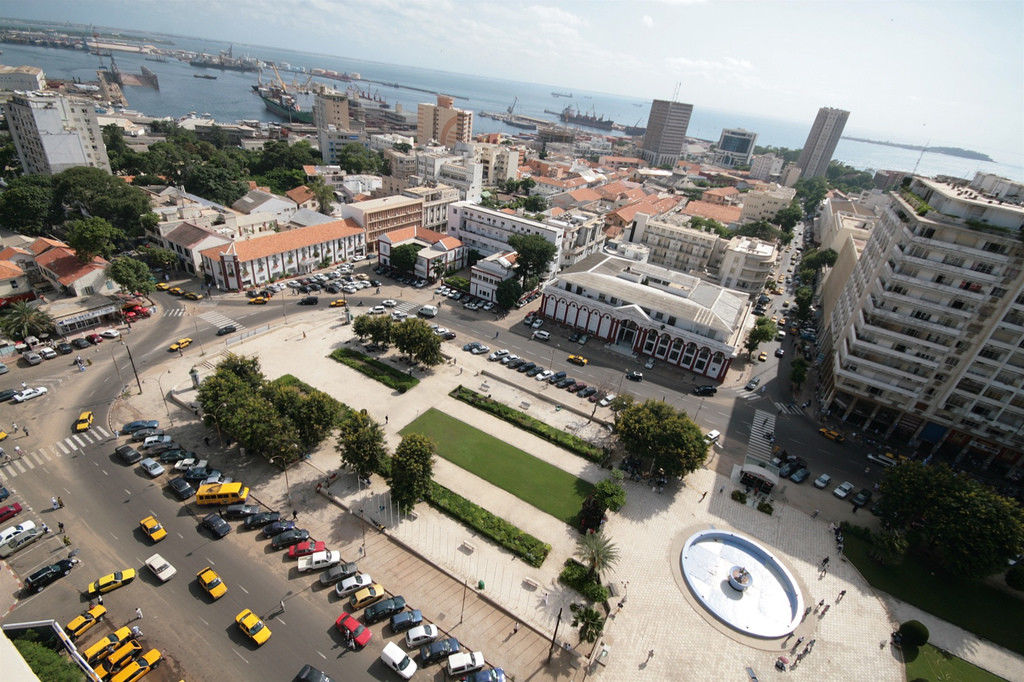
{"x":280,"y":103}
{"x":562,"y":94}
{"x":591,"y":120}
{"x":225,"y":61}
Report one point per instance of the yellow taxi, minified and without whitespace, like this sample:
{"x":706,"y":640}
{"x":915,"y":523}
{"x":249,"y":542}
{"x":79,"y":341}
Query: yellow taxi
{"x":121,"y":657}
{"x":253,"y":627}
{"x":162,"y":286}
{"x":139,"y":667}
{"x":832,"y":435}
{"x":84,"y":421}
{"x":3,"y":434}
{"x":180,"y":344}
{"x":193,"y":296}
{"x":763,"y":357}
{"x":211,"y":582}
{"x":366,"y":596}
{"x":578,"y":360}
{"x":111,"y":582}
{"x":785,"y":304}
{"x":83,"y":622}
{"x":176,"y":291}
{"x":259,"y":300}
{"x":152,"y":528}
{"x":775,"y":319}
{"x":104,"y":647}
{"x":339,"y":303}
{"x":782,"y":322}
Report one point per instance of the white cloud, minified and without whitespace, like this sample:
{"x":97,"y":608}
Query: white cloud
{"x":648,"y":21}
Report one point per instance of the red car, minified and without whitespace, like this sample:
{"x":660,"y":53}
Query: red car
{"x":305,"y":548}
{"x":9,"y":512}
{"x":353,"y":629}
{"x":94,"y":339}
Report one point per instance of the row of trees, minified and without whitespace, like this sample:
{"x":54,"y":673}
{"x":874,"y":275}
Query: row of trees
{"x":411,"y":336}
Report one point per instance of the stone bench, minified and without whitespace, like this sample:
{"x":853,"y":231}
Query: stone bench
{"x":531,"y":584}
{"x":469,"y":547}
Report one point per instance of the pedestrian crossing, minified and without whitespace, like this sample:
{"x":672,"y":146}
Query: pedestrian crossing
{"x":174,"y":312}
{"x":759,"y":447}
{"x":219,"y":320}
{"x":407,"y":307}
{"x":786,"y":408}
{"x":62,"y":448}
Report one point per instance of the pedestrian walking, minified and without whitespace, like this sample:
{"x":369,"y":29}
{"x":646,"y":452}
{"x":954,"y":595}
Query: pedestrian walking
{"x":53,"y":503}
{"x":820,"y":604}
{"x":799,"y":641}
{"x":46,"y":529}
{"x":824,"y":562}
{"x":840,"y":597}
{"x":138,"y":614}
{"x":825,"y":610}
{"x":206,"y":441}
{"x":855,"y":508}
{"x":60,"y":503}
{"x":496,"y":334}
{"x":515,"y":628}
{"x":815,"y":514}
{"x":295,"y":514}
{"x":25,"y":429}
{"x":282,"y":605}
{"x":703,"y":495}
{"x":60,"y":527}
{"x":386,"y":418}
{"x":14,"y":427}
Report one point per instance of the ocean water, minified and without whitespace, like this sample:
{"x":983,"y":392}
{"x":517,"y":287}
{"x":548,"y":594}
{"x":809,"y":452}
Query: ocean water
{"x":230,"y":98}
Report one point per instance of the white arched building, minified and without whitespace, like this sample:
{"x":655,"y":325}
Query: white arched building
{"x":679,"y":319}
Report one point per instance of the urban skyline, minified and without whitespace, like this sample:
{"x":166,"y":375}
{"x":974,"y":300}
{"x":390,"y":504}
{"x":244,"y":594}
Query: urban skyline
{"x":574,"y":44}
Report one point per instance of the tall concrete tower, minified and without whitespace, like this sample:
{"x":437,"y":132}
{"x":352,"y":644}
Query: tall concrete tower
{"x":821,"y":142}
{"x":666,"y":132}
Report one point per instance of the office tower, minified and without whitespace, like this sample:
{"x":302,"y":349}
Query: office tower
{"x":331,"y":109}
{"x":444,"y":123}
{"x":735,"y":147}
{"x":821,"y":142}
{"x":666,"y":132}
{"x":53,"y":133}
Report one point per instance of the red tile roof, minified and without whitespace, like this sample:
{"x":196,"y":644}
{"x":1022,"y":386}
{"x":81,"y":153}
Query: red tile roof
{"x":300,"y":194}
{"x":723,"y":214}
{"x":283,"y":242}
{"x":651,"y":205}
{"x":12,"y":251}
{"x":42,"y":244}
{"x":423,"y":234}
{"x":10,"y":270}
{"x":584,"y":194}
{"x":723,"y":191}
{"x":64,"y":264}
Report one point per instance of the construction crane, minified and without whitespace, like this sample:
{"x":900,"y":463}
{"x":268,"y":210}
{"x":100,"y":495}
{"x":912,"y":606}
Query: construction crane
{"x":278,"y":76}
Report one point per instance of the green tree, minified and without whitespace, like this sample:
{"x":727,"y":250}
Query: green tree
{"x":361,"y":443}
{"x":262,"y":430}
{"x":26,"y":209}
{"x":245,"y":367}
{"x":130,"y":274}
{"x":597,"y":552}
{"x":709,"y":225}
{"x":46,"y":663}
{"x":760,"y":229}
{"x":788,"y":217}
{"x":91,"y":192}
{"x":657,"y":433}
{"x":810,"y":192}
{"x":588,"y":620}
{"x":412,"y":470}
{"x":535,"y":203}
{"x":764,"y":330}
{"x":507,"y":293}
{"x":380,"y":330}
{"x":417,"y":339}
{"x":610,"y":492}
{"x":216,"y":184}
{"x":621,"y":402}
{"x":438,"y":268}
{"x":91,"y":237}
{"x":404,"y":257}
{"x":362,"y":325}
{"x":403,"y":147}
{"x":888,"y":547}
{"x":21,"y":319}
{"x":312,"y":414}
{"x":534,"y":254}
{"x":355,"y":158}
{"x":324,"y":194}
{"x":803,"y":298}
{"x":281,"y":180}
{"x":158,"y":257}
{"x":798,"y":371}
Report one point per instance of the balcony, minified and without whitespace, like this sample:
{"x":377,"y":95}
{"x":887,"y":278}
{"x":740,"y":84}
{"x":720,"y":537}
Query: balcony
{"x":905,"y":320}
{"x":856,"y":379}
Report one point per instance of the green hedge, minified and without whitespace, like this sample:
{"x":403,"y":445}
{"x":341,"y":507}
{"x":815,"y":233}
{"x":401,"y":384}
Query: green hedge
{"x":375,"y":369}
{"x":525,"y":546}
{"x":739,"y":496}
{"x":572,"y":443}
{"x":460,"y":283}
{"x":575,"y":576}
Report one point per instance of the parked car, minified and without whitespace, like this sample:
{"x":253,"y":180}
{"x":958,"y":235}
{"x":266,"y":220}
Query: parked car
{"x":151,"y":467}
{"x":541,"y":335}
{"x":420,"y":635}
{"x":46,"y":575}
{"x":366,"y":596}
{"x":843,"y":490}
{"x":705,"y":390}
{"x":182,"y":488}
{"x":400,"y":622}
{"x":84,"y":621}
{"x":9,"y":512}
{"x":261,"y":519}
{"x":634,"y":375}
{"x":289,"y":538}
{"x":338,"y":572}
{"x":310,"y":674}
{"x":862,"y":497}
{"x":276,"y":528}
{"x":822,"y":481}
{"x":439,"y":650}
{"x":393,"y":657}
{"x":753,"y":383}
{"x":241,"y":511}
{"x":352,"y":584}
{"x":216,"y":525}
{"x":383,"y":609}
{"x":800,"y":475}
{"x":132,"y":427}
{"x":29,"y":394}
{"x":140,"y":435}
{"x":127,"y":454}
{"x":353,"y":630}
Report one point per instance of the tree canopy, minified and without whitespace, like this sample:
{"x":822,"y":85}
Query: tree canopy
{"x":788,"y":217}
{"x":534,"y":255}
{"x":130,"y":274}
{"x":412,"y":470}
{"x":361,"y":443}
{"x":508,"y":292}
{"x":761,"y":229}
{"x":798,"y":371}
{"x":810,"y":191}
{"x":655,"y":432}
{"x":91,"y":237}
{"x":417,"y":339}
{"x":764,"y":330}
{"x":21,"y":319}
{"x":25,"y":208}
{"x":404,"y":257}
{"x":91,"y":192}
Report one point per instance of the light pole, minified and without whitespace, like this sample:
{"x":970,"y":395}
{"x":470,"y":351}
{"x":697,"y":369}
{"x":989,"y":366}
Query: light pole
{"x":287,"y":486}
{"x":195,"y":323}
{"x":132,"y":360}
{"x":163,"y":396}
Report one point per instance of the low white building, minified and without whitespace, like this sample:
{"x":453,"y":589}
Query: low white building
{"x":259,"y":201}
{"x":27,"y":78}
{"x":765,"y":167}
{"x":487,"y":230}
{"x":583,"y":234}
{"x":746,"y":263}
{"x":188,"y":241}
{"x":384,"y":141}
{"x":439,"y":253}
{"x":487,"y":273}
{"x":764,"y":204}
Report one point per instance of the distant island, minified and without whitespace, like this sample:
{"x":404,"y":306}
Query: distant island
{"x":948,"y":151}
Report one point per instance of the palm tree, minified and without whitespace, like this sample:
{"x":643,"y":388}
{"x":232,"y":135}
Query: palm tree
{"x":21,"y":319}
{"x":588,"y":620}
{"x":597,"y":552}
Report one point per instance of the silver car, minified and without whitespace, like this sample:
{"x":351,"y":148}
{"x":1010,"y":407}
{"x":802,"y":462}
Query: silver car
{"x":354,"y":584}
{"x":151,"y":467}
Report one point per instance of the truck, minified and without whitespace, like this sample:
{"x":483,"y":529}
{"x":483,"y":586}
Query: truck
{"x":318,"y":560}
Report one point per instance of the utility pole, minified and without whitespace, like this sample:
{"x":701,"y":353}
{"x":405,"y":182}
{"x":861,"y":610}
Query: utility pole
{"x":135,"y":371}
{"x":465,"y":589}
{"x":551,"y":649}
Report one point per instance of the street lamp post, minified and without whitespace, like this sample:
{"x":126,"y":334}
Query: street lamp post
{"x":132,"y":361}
{"x":195,"y":323}
{"x":163,"y":396}
{"x":287,"y":486}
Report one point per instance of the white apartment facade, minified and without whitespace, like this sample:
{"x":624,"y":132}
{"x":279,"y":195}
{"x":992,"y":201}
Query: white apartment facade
{"x":489,"y":272}
{"x":53,"y":133}
{"x":487,"y":230}
{"x":25,"y":78}
{"x":583,"y":235}
{"x":764,"y":204}
{"x":765,"y":167}
{"x":436,"y":199}
{"x":746,"y":263}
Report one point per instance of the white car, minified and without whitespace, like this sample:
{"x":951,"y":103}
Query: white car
{"x":48,"y":353}
{"x":480,"y":350}
{"x":188,"y":463}
{"x":110,"y":334}
{"x":843,"y":490}
{"x":607,"y":400}
{"x":541,"y":335}
{"x":354,"y":584}
{"x":649,"y":364}
{"x":29,"y":393}
{"x":155,"y":440}
{"x":398,"y":316}
{"x":497,"y":355}
{"x":536,"y":324}
{"x":32,"y":358}
{"x":509,"y":358}
{"x":389,"y":303}
{"x":161,"y":567}
{"x":396,"y":659}
{"x":9,"y":532}
{"x":545,"y":375}
{"x":822,"y":481}
{"x":377,"y":310}
{"x":421,"y":634}
{"x":488,"y":306}
{"x":151,"y":467}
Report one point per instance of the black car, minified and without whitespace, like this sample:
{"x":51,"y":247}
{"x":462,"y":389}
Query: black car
{"x":439,"y":650}
{"x":338,"y":572}
{"x":448,"y":335}
{"x":556,"y":377}
{"x":241,"y":511}
{"x":383,"y":609}
{"x":791,"y":466}
{"x":705,"y":390}
{"x":218,"y":526}
{"x":587,"y":392}
{"x":516,"y":363}
{"x":634,"y":375}
{"x":64,"y":348}
{"x":861,"y":498}
{"x":406,"y":620}
{"x":526,"y":367}
{"x":565,"y":382}
{"x":127,"y":454}
{"x":262,"y":519}
{"x":132,"y":427}
{"x":182,"y":488}
{"x":227,"y":329}
{"x":48,"y":574}
{"x":80,"y":343}
{"x":142,"y":434}
{"x":277,"y":527}
{"x":332,"y":289}
{"x":7,"y":394}
{"x":4,"y":493}
{"x":196,"y":474}
{"x":176,"y":455}
{"x":375,"y":283}
{"x":163,"y":447}
{"x":289,"y":538}
{"x":309,"y":300}
{"x":534,"y":371}
{"x":311,"y":674}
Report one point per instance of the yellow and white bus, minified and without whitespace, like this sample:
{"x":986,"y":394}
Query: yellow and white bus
{"x":222,"y":493}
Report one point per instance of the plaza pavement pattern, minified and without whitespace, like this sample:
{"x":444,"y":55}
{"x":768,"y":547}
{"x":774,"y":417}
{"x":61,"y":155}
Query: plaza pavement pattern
{"x":657,"y":634}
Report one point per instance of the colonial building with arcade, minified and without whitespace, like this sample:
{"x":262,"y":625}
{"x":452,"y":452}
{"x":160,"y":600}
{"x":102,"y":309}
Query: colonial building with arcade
{"x":652,"y":311}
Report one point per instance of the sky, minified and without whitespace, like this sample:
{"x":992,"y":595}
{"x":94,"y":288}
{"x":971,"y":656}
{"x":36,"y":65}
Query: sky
{"x":944,"y":73}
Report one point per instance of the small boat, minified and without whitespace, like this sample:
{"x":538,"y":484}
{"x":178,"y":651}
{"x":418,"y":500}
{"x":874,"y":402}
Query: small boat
{"x":204,"y":75}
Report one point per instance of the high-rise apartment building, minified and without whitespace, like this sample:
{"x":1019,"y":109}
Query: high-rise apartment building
{"x":330,"y":108}
{"x":53,"y":133}
{"x":387,"y":214}
{"x":735,"y":147}
{"x":444,"y":123}
{"x":765,"y":167}
{"x":821,"y":142}
{"x":666,"y":132}
{"x":925,"y":342}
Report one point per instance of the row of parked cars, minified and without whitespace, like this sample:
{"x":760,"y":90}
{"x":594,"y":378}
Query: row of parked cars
{"x":400,"y":277}
{"x":469,"y":301}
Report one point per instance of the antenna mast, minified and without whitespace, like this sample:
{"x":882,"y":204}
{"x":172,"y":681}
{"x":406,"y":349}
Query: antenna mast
{"x":675,"y":93}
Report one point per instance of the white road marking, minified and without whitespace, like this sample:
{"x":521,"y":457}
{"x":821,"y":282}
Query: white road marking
{"x":208,"y":562}
{"x":19,"y":466}
{"x":63,"y":449}
{"x":113,"y":536}
{"x":128,"y":492}
{"x":321,"y":655}
{"x":243,"y":589}
{"x":180,"y":536}
{"x":241,"y":656}
{"x":281,"y":621}
{"x":205,"y":622}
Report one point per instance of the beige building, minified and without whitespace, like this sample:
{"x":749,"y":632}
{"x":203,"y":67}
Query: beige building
{"x":745,"y":263}
{"x":331,"y":109}
{"x":27,"y":78}
{"x":436,"y":200}
{"x":387,"y":214}
{"x":764,"y":204}
{"x":499,"y":162}
{"x":926,"y":341}
{"x":53,"y":133}
{"x":444,"y":123}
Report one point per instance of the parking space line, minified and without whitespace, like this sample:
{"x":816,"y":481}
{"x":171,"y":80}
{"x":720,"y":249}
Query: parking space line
{"x":243,"y":589}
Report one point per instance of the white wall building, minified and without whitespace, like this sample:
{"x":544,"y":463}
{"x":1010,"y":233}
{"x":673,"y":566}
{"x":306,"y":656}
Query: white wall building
{"x":436,"y":199}
{"x":25,"y":78}
{"x":735,"y":147}
{"x":764,"y":204}
{"x":765,"y":167}
{"x":487,"y":230}
{"x":489,"y":272}
{"x":383,"y":141}
{"x":53,"y":133}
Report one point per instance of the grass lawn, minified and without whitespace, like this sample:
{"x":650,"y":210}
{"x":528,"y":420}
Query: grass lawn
{"x":936,"y":665}
{"x":533,"y":480}
{"x":974,"y":606}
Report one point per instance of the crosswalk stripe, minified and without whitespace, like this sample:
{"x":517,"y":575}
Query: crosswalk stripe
{"x":64,"y":449}
{"x":78,"y":439}
{"x":19,"y":466}
{"x":103,"y":432}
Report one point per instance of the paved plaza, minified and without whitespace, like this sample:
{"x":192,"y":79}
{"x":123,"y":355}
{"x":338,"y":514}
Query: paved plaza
{"x":658,"y":633}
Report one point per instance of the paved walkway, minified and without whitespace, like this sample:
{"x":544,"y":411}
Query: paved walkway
{"x":656,"y":616}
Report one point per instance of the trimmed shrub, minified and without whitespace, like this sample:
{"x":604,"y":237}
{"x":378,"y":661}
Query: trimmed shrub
{"x":572,"y":443}
{"x":575,"y":576}
{"x":914,"y":633}
{"x":739,"y":496}
{"x":460,"y":283}
{"x":522,"y":544}
{"x":1015,"y":576}
{"x":765,"y":508}
{"x":375,"y":369}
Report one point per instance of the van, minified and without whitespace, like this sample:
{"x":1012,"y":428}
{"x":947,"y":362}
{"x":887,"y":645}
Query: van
{"x":462,"y":663}
{"x":887,"y":459}
{"x":222,"y":493}
{"x":428,"y":311}
{"x":713,"y":436}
